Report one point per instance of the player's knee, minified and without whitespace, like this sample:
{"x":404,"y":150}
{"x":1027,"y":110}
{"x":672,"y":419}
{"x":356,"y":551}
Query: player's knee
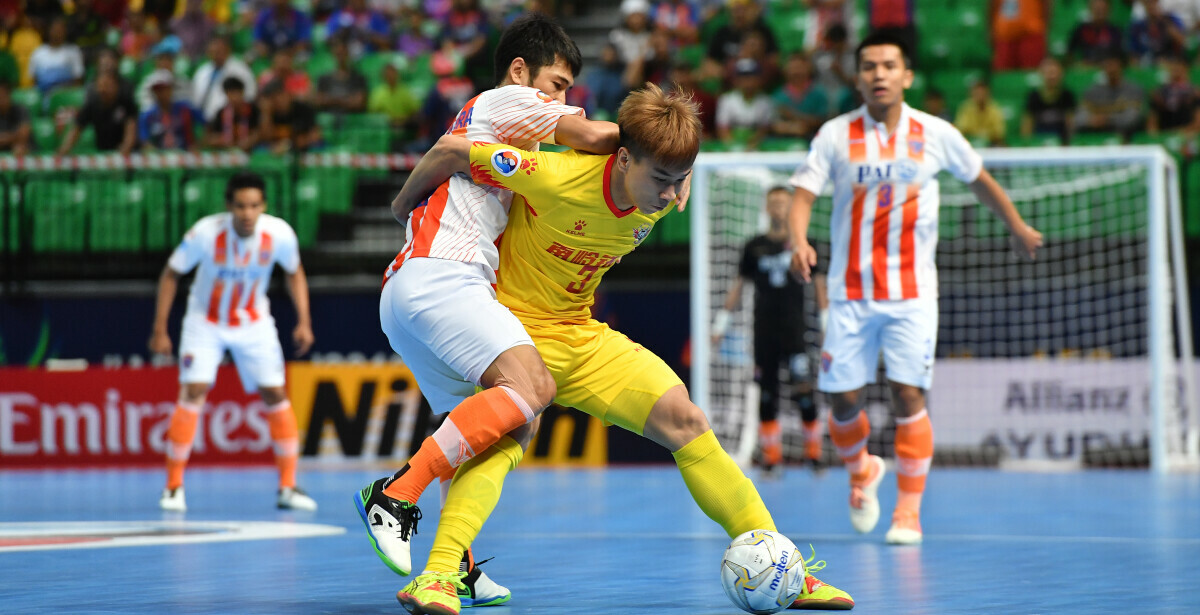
{"x":909,"y":399}
{"x":845,"y":405}
{"x":542,"y":389}
{"x":193,"y":393}
{"x":675,"y":421}
{"x":272,"y":395}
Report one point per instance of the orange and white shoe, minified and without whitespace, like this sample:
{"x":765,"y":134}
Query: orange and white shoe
{"x":812,"y":452}
{"x":906,"y":528}
{"x":864,"y":497}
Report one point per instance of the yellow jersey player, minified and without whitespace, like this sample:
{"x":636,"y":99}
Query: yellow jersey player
{"x":573,"y":217}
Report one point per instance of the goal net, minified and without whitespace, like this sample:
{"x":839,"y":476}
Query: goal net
{"x":1080,"y":358}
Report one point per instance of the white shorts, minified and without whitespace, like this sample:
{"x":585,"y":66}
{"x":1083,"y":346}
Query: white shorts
{"x":905,"y":330}
{"x":442,"y":318}
{"x":255,"y":349}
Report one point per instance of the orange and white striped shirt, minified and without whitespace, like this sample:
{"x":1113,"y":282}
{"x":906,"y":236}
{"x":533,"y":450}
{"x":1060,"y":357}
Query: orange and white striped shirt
{"x":462,"y":221}
{"x":885,"y":200}
{"x":232,"y":272}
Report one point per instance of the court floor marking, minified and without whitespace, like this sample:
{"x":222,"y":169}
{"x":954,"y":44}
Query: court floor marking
{"x":57,"y":535}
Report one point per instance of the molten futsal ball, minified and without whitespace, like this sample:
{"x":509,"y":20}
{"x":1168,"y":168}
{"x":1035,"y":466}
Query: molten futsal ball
{"x":762,"y":572}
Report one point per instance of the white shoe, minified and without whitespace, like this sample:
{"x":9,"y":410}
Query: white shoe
{"x":906,"y":529}
{"x":173,"y":500}
{"x":294,"y":498}
{"x":482,"y":591}
{"x":864,"y":499}
{"x":390,"y":525}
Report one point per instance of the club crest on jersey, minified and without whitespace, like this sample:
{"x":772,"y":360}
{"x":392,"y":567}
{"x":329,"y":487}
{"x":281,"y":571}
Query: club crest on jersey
{"x":916,"y":146}
{"x":506,"y":162}
{"x":640,"y":233}
{"x":826,"y":361}
{"x":186,"y":360}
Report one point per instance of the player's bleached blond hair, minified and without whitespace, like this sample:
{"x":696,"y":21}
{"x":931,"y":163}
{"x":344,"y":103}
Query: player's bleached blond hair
{"x":663,"y":125}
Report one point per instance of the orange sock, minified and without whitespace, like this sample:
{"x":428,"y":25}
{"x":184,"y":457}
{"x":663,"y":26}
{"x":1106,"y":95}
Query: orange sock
{"x":914,"y":453}
{"x":286,"y":438}
{"x":180,"y":435}
{"x":812,"y":439}
{"x":476,"y":424}
{"x":850,"y":438}
{"x":770,"y":438}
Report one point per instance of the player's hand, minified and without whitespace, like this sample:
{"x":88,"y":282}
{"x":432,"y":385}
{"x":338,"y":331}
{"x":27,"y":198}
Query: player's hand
{"x":685,"y":190}
{"x":303,"y":338}
{"x":160,"y":343}
{"x":1026,"y":241}
{"x":804,"y":258}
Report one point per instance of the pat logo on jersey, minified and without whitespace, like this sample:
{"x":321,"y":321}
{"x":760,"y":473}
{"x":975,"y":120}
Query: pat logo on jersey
{"x":640,"y":234}
{"x":900,"y":170}
{"x":506,"y":162}
{"x":578,"y":230}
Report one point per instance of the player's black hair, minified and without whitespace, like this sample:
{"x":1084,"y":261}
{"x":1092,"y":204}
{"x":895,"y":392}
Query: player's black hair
{"x":233,"y":84}
{"x":242,"y":180}
{"x":883,"y":37}
{"x":540,"y":42}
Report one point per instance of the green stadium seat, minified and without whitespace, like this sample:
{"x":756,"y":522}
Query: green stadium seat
{"x":202,"y":196}
{"x":692,"y":54}
{"x":114,"y":223}
{"x":56,"y":214}
{"x":45,"y":134}
{"x":1096,"y":138}
{"x":954,"y":84}
{"x":1148,"y":78}
{"x":788,"y":26}
{"x":319,"y":64}
{"x":9,"y":71}
{"x":1191,"y":199}
{"x":70,"y":99}
{"x":243,"y":39}
{"x":1014,"y":84}
{"x":1078,"y":80}
{"x":12,"y":240}
{"x":30,"y":99}
{"x":308,"y":211}
{"x":371,"y":66}
{"x":150,"y":196}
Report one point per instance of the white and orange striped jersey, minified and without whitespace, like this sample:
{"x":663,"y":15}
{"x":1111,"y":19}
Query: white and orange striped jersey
{"x":232,"y":273}
{"x":885,"y":200}
{"x":462,"y":221}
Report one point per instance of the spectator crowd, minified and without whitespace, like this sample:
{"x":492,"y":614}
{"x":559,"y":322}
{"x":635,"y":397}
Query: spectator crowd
{"x":284,"y":75}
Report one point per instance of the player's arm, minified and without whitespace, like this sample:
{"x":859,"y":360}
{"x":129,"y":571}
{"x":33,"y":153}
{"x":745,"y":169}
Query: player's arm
{"x":1026,"y":239}
{"x":724,"y":316}
{"x":448,"y":156}
{"x":302,"y":335}
{"x":822,"y":292}
{"x":586,"y":135}
{"x":804,"y":256}
{"x":168,"y":285}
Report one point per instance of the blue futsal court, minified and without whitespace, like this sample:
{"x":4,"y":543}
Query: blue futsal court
{"x":623,"y":540}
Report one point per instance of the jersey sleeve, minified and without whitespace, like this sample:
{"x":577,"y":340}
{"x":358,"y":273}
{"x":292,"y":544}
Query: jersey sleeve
{"x":537,"y":176}
{"x":189,"y":252}
{"x":813,"y":174}
{"x":962,"y":161}
{"x":520,"y":113}
{"x":288,"y":252}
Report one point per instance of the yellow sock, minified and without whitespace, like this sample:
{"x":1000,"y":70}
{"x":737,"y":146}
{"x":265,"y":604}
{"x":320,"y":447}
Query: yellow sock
{"x":720,"y":488}
{"x":472,"y":497}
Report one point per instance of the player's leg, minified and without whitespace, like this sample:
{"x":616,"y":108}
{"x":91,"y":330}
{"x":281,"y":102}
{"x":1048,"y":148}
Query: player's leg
{"x":909,"y":342}
{"x":801,"y":374}
{"x":258,"y":357}
{"x":200,"y":354}
{"x":848,"y":362}
{"x":767,"y":359}
{"x":443,"y":319}
{"x":453,"y":310}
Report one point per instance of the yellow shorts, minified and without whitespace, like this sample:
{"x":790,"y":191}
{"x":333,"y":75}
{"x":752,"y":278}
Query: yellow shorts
{"x":601,"y":372}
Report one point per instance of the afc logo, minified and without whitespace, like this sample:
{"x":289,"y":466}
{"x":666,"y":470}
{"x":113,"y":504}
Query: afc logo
{"x":506,"y":162}
{"x":900,"y":170}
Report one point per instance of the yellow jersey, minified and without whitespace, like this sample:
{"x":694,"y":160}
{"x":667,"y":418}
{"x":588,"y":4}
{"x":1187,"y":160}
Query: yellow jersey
{"x":564,"y":231}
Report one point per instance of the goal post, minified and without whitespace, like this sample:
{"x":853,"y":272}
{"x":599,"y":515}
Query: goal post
{"x":1075,"y":359}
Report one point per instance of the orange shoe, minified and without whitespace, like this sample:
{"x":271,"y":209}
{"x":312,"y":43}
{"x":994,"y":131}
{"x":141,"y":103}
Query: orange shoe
{"x":906,"y":528}
{"x":864,"y":499}
{"x":812,"y":450}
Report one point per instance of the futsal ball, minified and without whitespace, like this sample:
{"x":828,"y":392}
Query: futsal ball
{"x":762,"y":572}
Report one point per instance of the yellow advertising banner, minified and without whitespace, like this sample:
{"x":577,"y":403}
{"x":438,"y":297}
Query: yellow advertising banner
{"x":376,"y":411}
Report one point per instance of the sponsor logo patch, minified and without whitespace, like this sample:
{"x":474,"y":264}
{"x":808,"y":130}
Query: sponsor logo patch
{"x":506,"y":162}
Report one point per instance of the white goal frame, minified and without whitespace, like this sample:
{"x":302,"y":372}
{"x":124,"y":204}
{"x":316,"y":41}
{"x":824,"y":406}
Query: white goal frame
{"x":1172,"y":446}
